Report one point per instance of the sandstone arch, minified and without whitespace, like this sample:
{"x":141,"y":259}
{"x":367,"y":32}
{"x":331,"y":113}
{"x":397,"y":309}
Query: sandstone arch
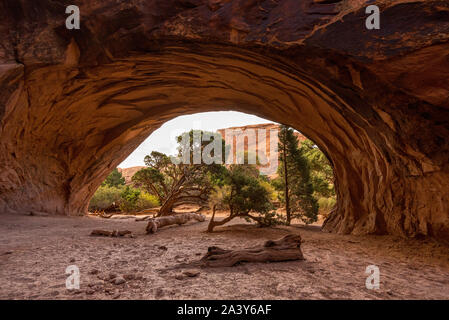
{"x":75,"y":103}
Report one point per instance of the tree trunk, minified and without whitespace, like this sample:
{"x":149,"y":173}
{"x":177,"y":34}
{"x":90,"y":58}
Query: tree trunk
{"x":287,"y":198}
{"x":179,"y":219}
{"x":210,"y":227}
{"x":213,"y":224}
{"x":167,"y":206}
{"x":287,"y":248}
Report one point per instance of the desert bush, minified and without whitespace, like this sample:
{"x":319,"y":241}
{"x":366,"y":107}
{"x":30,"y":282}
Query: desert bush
{"x":129,"y":198}
{"x":146,"y":201}
{"x":105,"y":197}
{"x":270,"y":219}
{"x":133,"y":200}
{"x":326,"y":204}
{"x":272,"y":192}
{"x":243,"y":195}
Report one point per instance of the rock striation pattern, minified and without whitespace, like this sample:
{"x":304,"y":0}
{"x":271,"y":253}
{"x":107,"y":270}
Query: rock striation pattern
{"x":75,"y":103}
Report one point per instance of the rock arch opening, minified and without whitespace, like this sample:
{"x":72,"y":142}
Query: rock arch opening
{"x":240,"y":134}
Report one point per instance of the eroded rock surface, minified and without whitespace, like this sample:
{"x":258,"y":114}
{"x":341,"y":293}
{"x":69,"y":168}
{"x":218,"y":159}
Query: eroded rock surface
{"x":75,"y":103}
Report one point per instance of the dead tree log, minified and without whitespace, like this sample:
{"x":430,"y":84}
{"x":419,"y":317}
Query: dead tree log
{"x":287,"y":248}
{"x":113,"y":233}
{"x":179,"y":219}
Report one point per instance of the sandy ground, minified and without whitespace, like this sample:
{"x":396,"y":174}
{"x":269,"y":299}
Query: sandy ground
{"x":35,"y":252}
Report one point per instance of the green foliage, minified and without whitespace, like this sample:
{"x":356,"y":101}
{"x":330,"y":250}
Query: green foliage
{"x":129,"y":199}
{"x":247,"y":194}
{"x":105,"y":197}
{"x":272,"y":193}
{"x":171,"y":181}
{"x":152,"y":181}
{"x":295,"y":182}
{"x":218,"y":195}
{"x":114,"y":179}
{"x":192,"y":141}
{"x":134,"y":199}
{"x":146,"y":201}
{"x":271,"y":218}
{"x":322,"y":175}
{"x":217,"y":175}
{"x":326,"y":204}
{"x":125,"y":198}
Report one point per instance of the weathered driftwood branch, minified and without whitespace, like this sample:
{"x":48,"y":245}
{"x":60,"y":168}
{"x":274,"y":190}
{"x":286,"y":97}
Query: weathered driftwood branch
{"x":101,"y":214}
{"x":287,"y":248}
{"x":113,"y":233}
{"x":179,"y":219}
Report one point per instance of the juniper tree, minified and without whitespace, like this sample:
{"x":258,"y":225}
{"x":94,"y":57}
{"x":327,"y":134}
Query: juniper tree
{"x":294,"y":181}
{"x":188,"y":181}
{"x":114,"y":179}
{"x":243,"y":195}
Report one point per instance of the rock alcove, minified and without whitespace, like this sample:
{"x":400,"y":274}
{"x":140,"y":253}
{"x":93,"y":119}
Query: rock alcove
{"x":75,"y":103}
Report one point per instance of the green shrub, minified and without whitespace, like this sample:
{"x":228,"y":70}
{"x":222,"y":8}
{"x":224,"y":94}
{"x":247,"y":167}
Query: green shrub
{"x":129,"y":199}
{"x":326,"y":204}
{"x":271,"y":219}
{"x":146,"y":201}
{"x":133,"y":200}
{"x":105,"y":197}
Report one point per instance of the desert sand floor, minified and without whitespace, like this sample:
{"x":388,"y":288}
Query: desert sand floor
{"x":35,"y":252}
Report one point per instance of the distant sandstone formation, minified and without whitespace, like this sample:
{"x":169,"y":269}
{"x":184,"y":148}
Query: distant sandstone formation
{"x":128,"y":173}
{"x":253,"y":145}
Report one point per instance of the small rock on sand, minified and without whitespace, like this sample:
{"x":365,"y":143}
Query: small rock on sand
{"x":159,"y":293}
{"x":191,"y":273}
{"x":90,"y":291}
{"x":119,"y":280}
{"x":129,"y":276}
{"x":112,"y":276}
{"x":282,"y":287}
{"x":54,"y":293}
{"x":94,"y":271}
{"x":97,"y":283}
{"x":179,"y":277}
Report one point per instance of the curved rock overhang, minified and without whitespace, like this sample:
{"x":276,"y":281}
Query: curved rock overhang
{"x":75,"y":103}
